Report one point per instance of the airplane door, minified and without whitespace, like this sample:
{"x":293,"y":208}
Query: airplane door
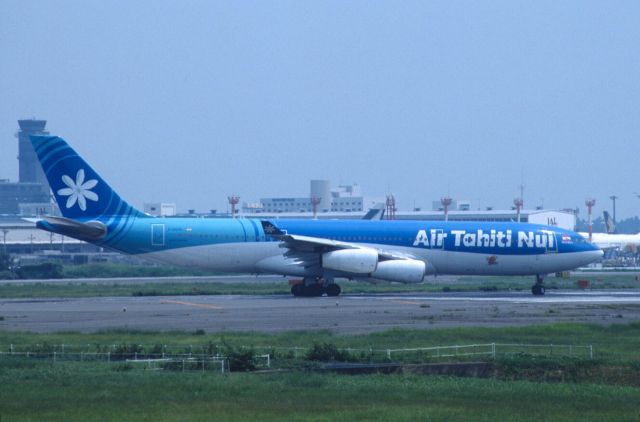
{"x":157,"y":234}
{"x":552,"y":243}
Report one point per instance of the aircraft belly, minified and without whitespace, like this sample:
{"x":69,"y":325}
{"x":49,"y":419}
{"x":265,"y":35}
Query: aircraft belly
{"x":268,"y":258}
{"x":231,"y":257}
{"x":465,"y":263}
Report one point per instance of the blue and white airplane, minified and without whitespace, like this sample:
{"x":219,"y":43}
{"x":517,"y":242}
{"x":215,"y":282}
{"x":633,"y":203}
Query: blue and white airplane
{"x":318,"y":251}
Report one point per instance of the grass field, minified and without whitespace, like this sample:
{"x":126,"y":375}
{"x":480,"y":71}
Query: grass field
{"x":38,"y":391}
{"x":475,"y":283}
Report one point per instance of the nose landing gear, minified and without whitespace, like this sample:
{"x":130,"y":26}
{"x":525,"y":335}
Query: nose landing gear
{"x":538,"y":288}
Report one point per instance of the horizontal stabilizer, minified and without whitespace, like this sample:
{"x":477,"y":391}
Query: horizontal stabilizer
{"x":93,"y":230}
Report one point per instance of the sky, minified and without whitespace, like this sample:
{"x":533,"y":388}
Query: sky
{"x":191,"y":101}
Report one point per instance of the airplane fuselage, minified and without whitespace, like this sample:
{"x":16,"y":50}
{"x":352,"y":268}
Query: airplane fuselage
{"x":241,"y":245}
{"x":316,"y":250}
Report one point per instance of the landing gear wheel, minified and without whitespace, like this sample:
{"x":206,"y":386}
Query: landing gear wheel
{"x":538,"y":290}
{"x":297,"y":290}
{"x":333,"y":290}
{"x":313,"y":290}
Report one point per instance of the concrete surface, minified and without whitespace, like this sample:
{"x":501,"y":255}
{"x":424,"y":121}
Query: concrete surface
{"x":356,"y":313}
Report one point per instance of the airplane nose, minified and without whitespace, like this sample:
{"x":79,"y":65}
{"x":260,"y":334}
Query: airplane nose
{"x":596,"y":254}
{"x":591,"y":256}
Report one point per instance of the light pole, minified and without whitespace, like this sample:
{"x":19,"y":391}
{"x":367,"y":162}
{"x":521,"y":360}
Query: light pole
{"x":518,"y":202}
{"x":590,"y":203}
{"x":4,"y":240}
{"x":315,"y":201}
{"x":233,"y":201}
{"x":446,"y":201}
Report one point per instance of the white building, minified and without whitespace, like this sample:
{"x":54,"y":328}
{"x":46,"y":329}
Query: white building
{"x":160,"y":209}
{"x":556,"y":218}
{"x":456,"y":204}
{"x":342,"y":199}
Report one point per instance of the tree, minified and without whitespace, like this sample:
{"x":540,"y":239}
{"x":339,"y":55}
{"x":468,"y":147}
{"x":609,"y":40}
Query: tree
{"x":5,"y":262}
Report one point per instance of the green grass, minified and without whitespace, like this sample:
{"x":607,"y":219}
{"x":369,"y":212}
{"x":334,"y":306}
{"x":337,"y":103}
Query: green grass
{"x":614,"y":343}
{"x":204,"y":287}
{"x":94,"y":391}
{"x":48,"y":290}
{"x":124,"y":270}
{"x":39,"y":389}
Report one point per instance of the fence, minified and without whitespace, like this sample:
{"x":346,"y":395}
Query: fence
{"x":153,"y":355}
{"x":495,"y":349}
{"x":175,"y":361}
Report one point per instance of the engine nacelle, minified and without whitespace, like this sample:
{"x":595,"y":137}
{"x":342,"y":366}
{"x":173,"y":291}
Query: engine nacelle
{"x":357,"y":261}
{"x":401,"y":270}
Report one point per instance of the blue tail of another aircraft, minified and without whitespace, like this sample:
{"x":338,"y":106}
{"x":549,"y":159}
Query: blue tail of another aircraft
{"x":80,"y":192}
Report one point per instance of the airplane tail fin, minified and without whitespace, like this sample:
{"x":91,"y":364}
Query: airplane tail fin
{"x":608,"y":222}
{"x":80,"y":192}
{"x":375,"y":213}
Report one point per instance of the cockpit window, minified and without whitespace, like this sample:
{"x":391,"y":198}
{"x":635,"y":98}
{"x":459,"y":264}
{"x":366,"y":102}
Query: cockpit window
{"x":579,"y":239}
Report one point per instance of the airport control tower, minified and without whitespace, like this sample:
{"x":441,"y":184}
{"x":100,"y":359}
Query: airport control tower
{"x":30,"y":169}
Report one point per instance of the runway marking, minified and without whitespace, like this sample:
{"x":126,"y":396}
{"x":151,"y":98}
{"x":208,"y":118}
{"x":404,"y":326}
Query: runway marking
{"x":406,"y":302}
{"x":552,"y":298}
{"x":196,"y":305}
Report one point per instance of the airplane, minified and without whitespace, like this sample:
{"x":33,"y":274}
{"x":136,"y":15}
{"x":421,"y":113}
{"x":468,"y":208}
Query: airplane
{"x":319,"y":251}
{"x":627,"y":242}
{"x":375,"y":213}
{"x":612,"y":240}
{"x":608,"y":222}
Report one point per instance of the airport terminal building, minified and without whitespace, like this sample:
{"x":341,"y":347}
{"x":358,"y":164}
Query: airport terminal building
{"x":341,"y":199}
{"x":558,"y":218}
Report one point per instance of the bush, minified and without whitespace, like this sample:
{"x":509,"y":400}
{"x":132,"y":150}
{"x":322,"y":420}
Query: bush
{"x":5,"y":262}
{"x":126,"y":351}
{"x":7,"y":275}
{"x":327,"y":352}
{"x":544,"y":368}
{"x":240,"y":359}
{"x":40,"y":271}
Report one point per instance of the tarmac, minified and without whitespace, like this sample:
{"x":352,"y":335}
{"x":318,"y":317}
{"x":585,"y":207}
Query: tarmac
{"x":346,"y":314}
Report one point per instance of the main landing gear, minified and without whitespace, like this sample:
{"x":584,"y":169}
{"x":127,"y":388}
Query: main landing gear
{"x":538,"y":288}
{"x":314,"y":287}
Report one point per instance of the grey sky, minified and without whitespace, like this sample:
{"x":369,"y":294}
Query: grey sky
{"x":190,"y":101}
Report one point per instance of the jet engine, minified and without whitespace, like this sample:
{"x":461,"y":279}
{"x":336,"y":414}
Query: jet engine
{"x":357,"y":261}
{"x":401,"y":270}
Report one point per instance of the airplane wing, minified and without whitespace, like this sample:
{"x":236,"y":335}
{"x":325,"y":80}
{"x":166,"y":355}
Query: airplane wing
{"x":321,"y":245}
{"x":299,"y":243}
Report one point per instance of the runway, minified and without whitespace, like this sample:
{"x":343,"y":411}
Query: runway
{"x":348,"y":314}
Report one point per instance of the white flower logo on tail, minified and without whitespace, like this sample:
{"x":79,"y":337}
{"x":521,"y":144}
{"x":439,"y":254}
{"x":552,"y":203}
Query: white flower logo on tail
{"x":78,"y":191}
